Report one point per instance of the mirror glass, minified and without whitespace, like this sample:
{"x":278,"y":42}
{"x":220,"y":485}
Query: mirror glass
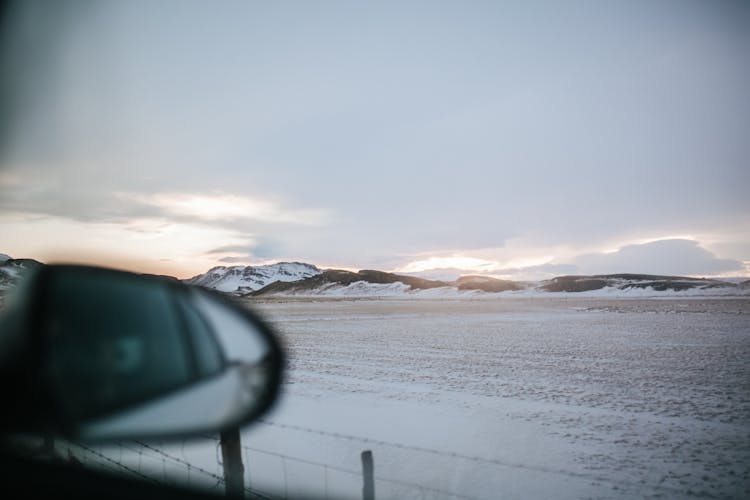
{"x":139,"y":356}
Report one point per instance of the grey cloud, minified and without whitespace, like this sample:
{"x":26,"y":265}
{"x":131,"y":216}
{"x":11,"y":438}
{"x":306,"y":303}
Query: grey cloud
{"x":245,"y":249}
{"x":73,"y":198}
{"x":267,"y":249}
{"x":234,"y":260}
{"x":674,"y":257}
{"x":75,"y":201}
{"x":261,"y":248}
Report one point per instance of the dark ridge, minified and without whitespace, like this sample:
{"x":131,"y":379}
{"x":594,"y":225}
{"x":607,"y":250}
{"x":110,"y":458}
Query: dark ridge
{"x":383,"y":277}
{"x":645,"y":277}
{"x":574,"y":284}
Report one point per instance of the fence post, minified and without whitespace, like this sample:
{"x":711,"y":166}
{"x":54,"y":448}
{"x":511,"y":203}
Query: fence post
{"x":231,"y":455}
{"x":368,"y":473}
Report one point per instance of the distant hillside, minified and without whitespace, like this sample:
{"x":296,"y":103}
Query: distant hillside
{"x":379,"y":283}
{"x":630,"y":281}
{"x":335,"y":278}
{"x":486,"y":284}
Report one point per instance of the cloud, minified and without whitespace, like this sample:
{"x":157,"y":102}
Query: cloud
{"x":246,"y":249}
{"x":225,"y":207}
{"x":671,"y":257}
{"x":235,"y":260}
{"x":257,"y":249}
{"x":455,"y":262}
{"x":69,"y":199}
{"x":85,"y":200}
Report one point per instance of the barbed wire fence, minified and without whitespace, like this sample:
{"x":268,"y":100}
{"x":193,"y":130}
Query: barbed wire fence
{"x":152,"y":462}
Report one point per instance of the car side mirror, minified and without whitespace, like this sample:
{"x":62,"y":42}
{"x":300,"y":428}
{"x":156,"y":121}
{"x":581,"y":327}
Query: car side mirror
{"x":115,"y":355}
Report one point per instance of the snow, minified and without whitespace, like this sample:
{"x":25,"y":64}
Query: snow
{"x":525,"y":397}
{"x":243,"y":279}
{"x":356,"y":289}
{"x":578,"y":398}
{"x":648,"y":292}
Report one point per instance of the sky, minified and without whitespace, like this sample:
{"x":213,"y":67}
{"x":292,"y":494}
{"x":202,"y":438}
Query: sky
{"x":522,"y":140}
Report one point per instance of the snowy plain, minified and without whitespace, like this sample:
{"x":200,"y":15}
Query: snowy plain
{"x":523,"y":397}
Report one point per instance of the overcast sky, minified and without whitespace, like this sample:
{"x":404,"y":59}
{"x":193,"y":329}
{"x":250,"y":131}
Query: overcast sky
{"x":519,"y":139}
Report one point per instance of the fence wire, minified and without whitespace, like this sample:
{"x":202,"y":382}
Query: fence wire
{"x":153,"y":452}
{"x":471,"y":458}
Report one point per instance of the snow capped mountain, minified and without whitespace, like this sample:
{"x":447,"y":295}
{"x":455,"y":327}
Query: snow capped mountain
{"x":245,"y":279}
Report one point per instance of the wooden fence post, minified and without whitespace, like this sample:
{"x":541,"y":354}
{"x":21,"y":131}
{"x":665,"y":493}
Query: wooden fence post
{"x":231,"y":455}
{"x":368,"y":472}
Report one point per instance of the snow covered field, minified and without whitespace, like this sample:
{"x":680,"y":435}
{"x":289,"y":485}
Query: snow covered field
{"x":511,"y":398}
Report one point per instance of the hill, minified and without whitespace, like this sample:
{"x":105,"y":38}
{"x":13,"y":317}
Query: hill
{"x":337,"y":280}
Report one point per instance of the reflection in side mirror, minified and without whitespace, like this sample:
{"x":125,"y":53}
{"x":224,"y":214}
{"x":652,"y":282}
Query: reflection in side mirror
{"x":131,"y":356}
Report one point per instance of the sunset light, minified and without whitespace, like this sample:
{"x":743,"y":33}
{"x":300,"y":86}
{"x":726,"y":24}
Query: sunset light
{"x":225,"y":206}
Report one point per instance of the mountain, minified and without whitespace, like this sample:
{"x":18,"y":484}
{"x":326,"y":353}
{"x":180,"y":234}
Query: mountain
{"x":245,"y":279}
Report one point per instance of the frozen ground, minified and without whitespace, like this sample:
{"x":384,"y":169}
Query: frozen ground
{"x":512,"y":398}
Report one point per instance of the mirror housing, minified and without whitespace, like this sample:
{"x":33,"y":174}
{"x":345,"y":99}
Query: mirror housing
{"x":97,"y":354}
